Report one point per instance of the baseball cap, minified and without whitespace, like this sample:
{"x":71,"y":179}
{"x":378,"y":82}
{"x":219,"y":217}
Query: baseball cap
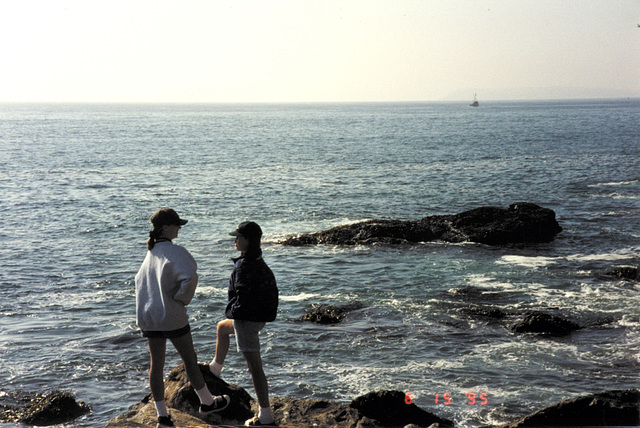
{"x":248,"y":229}
{"x":166,"y":216}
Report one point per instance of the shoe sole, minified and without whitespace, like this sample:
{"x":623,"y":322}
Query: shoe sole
{"x":227,"y":401}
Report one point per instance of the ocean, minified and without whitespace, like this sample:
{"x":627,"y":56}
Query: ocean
{"x":79,"y":182}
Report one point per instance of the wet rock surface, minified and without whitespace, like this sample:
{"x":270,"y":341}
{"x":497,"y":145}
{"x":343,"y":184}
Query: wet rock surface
{"x":330,"y":314}
{"x":520,"y":222}
{"x":543,"y":323}
{"x":610,"y":408}
{"x":625,"y":272}
{"x":43,"y":409}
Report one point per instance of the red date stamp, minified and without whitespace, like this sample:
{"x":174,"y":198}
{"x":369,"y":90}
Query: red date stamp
{"x":471,"y":398}
{"x":408,"y":397}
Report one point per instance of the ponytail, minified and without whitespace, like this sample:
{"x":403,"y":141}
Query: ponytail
{"x":153,"y":238}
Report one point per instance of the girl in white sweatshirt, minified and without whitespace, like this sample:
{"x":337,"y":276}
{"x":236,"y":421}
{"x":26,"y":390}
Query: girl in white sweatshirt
{"x":165,"y":285}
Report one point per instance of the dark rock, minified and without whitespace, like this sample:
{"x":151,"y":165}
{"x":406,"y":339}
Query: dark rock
{"x":46,"y":409}
{"x":625,"y":272}
{"x":310,"y":412}
{"x":519,"y":223}
{"x":143,"y":414}
{"x":330,"y":314}
{"x":467,"y":293}
{"x":181,"y":395}
{"x":545,"y":324}
{"x":485,"y":312}
{"x":390,"y":409}
{"x":610,"y":408}
{"x":183,"y":404}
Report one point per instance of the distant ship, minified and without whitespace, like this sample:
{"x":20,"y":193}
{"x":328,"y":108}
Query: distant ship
{"x":475,"y":102}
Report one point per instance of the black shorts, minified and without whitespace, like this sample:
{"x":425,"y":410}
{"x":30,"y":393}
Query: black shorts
{"x":171,"y":334}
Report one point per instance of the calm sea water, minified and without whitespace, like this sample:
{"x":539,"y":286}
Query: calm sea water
{"x":79,"y":182}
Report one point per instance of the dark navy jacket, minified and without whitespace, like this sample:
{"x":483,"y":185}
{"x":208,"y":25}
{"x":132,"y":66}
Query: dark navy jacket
{"x":253,"y":293}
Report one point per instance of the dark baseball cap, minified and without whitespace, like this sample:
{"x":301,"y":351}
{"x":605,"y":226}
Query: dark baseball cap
{"x":248,"y":229}
{"x":168,"y":217}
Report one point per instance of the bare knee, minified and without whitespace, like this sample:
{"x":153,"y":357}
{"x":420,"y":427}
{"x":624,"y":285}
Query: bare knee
{"x":225,"y":327}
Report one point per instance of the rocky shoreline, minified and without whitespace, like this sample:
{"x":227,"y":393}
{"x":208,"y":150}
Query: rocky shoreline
{"x":376,"y":409}
{"x":365,"y":411}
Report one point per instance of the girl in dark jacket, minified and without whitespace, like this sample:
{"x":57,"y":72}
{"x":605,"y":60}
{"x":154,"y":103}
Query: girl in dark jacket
{"x":253,"y":301}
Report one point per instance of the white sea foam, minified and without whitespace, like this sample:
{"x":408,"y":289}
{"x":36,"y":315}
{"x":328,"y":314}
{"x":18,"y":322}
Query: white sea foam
{"x":299,"y":297}
{"x":617,"y":183}
{"x":483,"y":281}
{"x":630,"y":321}
{"x":542,"y":261}
{"x":531,"y":262}
{"x":601,"y":257}
{"x":211,"y":290}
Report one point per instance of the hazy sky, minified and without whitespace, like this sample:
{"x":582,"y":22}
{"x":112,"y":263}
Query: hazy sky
{"x":299,"y":50}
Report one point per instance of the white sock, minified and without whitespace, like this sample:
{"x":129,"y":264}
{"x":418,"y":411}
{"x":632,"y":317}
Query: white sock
{"x":265,"y":415}
{"x":215,"y":368}
{"x":161,"y":408}
{"x":205,"y":396}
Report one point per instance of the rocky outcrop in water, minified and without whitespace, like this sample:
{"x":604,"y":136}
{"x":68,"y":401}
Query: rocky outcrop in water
{"x":542,"y":323}
{"x":520,"y":222}
{"x":610,"y":408}
{"x":551,"y":322}
{"x":330,"y":314}
{"x":625,"y":272}
{"x":44,"y":409}
{"x":380,"y":409}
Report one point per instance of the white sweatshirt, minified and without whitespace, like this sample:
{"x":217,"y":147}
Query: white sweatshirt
{"x":165,"y":285}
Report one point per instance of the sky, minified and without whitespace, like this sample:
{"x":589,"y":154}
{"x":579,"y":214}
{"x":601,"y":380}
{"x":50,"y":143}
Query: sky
{"x":215,"y":51}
